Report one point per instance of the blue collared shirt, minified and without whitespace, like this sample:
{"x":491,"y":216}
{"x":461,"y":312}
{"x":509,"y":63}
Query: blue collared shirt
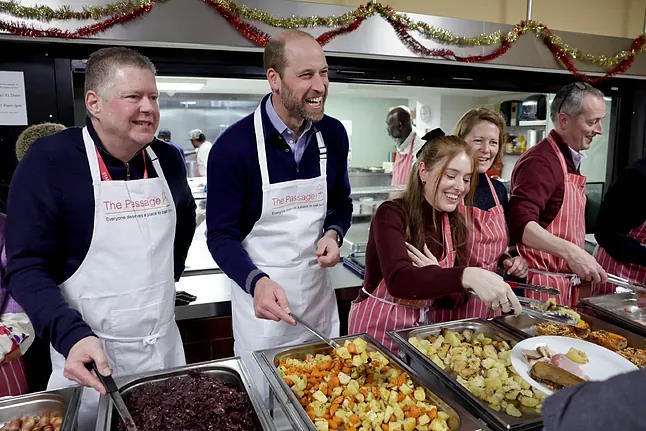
{"x":297,"y":146}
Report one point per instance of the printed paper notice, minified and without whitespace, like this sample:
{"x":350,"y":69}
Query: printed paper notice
{"x":13,"y":105}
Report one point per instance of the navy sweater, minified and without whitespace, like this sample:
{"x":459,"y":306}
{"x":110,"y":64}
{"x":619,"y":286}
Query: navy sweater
{"x":234,"y":197}
{"x":50,"y":219}
{"x":620,"y":212}
{"x":483,"y":199}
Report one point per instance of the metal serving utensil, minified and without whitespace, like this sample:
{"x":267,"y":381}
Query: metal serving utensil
{"x":622,"y":282}
{"x":534,"y":288}
{"x":553,"y":316}
{"x":307,"y":326}
{"x":113,"y":391}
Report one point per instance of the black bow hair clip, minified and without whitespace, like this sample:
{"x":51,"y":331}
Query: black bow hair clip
{"x":429,"y":138}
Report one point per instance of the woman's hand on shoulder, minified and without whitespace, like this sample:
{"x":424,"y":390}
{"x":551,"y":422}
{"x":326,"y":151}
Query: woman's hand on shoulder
{"x":420,"y":259}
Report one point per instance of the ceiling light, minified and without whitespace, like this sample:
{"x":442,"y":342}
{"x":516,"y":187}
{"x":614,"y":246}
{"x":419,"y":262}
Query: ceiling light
{"x":188,"y":102}
{"x":179,"y":86}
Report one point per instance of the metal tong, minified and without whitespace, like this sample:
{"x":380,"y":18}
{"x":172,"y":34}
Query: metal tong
{"x":622,"y":282}
{"x":307,"y":326}
{"x":534,"y":288}
{"x":529,"y":305}
{"x":113,"y":391}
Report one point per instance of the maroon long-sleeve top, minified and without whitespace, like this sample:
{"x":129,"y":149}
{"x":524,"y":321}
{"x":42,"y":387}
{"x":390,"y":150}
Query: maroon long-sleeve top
{"x":537,"y":186}
{"x":387,"y":258}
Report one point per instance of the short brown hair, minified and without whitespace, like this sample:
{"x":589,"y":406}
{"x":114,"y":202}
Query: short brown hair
{"x":102,"y":63}
{"x":274,"y":55}
{"x":472,"y":117}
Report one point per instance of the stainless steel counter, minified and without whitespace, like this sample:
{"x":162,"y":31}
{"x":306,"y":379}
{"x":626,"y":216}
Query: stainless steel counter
{"x":214,"y":293}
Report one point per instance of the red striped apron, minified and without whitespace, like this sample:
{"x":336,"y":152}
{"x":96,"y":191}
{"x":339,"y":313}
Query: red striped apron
{"x":403,"y":165}
{"x":569,"y":225}
{"x":380,"y":312}
{"x":486,"y":241}
{"x":13,"y":380}
{"x":630,"y":271}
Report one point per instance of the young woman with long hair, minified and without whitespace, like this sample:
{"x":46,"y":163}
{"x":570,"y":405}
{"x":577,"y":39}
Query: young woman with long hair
{"x":404,"y":284}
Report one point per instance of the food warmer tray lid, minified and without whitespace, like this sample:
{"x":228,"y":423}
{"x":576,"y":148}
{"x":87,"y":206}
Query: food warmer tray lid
{"x":495,"y":419}
{"x":623,"y":309}
{"x":232,"y":366}
{"x":34,"y":404}
{"x":443,"y":396}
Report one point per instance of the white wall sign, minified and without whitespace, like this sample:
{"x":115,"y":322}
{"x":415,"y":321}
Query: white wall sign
{"x":13,"y":105}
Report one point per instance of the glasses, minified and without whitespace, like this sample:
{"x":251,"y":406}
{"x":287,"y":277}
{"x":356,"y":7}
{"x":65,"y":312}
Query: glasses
{"x":580,"y":85}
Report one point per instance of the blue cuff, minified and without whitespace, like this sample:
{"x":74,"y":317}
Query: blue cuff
{"x":252,"y":279}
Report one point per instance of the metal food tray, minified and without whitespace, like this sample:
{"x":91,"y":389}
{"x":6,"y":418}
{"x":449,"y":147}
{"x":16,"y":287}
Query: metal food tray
{"x":619,"y":308}
{"x":527,"y":326}
{"x":65,"y":400}
{"x":423,"y":365}
{"x":440,"y":395}
{"x":230,"y":370}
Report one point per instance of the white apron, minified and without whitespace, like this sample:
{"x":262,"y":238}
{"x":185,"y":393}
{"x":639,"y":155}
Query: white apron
{"x":124,"y":288}
{"x":282,"y":244}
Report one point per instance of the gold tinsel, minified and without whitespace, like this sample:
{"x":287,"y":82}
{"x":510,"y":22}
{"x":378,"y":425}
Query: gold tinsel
{"x":437,"y":34}
{"x":46,"y":13}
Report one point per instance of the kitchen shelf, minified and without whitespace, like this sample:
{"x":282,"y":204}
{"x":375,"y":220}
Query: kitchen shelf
{"x":529,"y":123}
{"x":375,"y":190}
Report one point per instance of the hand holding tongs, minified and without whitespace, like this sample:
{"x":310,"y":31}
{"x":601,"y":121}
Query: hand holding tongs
{"x":112,"y":390}
{"x":307,"y":326}
{"x":553,"y":316}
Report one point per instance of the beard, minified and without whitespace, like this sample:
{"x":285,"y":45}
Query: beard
{"x":298,"y":107}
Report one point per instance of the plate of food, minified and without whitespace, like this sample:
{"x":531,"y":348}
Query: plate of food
{"x":550,"y":363}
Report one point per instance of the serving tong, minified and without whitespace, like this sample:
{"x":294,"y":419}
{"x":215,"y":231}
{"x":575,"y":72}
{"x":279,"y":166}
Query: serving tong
{"x":534,"y":288}
{"x":307,"y":326}
{"x":113,"y":390}
{"x":529,"y":308}
{"x":627,"y":284}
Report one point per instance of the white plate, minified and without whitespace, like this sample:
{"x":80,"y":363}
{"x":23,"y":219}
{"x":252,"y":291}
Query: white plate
{"x":602,"y":363}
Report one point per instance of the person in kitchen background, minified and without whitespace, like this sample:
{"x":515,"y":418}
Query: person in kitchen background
{"x":278,"y":203}
{"x":546,"y":213}
{"x":164,"y":135}
{"x":400,"y":128}
{"x":488,"y":236}
{"x":621,"y":232}
{"x":95,"y":275}
{"x":405,"y":285}
{"x":202,"y":150}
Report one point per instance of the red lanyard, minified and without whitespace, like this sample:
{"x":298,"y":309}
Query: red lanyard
{"x":103,"y":169}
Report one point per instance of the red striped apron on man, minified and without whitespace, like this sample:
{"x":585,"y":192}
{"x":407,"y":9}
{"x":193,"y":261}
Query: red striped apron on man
{"x":380,"y":312}
{"x":403,"y":165}
{"x":487,"y":239}
{"x":630,"y":271}
{"x":569,"y":224}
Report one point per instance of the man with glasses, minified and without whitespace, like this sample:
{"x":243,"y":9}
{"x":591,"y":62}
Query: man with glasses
{"x":547,"y":203}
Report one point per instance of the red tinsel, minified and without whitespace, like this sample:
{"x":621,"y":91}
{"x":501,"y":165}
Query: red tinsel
{"x":260,"y":38}
{"x":565,"y":60}
{"x":252,"y":33}
{"x":23,"y":30}
{"x":404,"y":35}
{"x":329,"y":35}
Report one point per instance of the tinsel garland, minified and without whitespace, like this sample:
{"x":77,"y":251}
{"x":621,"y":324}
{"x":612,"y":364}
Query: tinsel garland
{"x":237,"y":16}
{"x":231,"y":9}
{"x":120,"y":18}
{"x":46,"y":13}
